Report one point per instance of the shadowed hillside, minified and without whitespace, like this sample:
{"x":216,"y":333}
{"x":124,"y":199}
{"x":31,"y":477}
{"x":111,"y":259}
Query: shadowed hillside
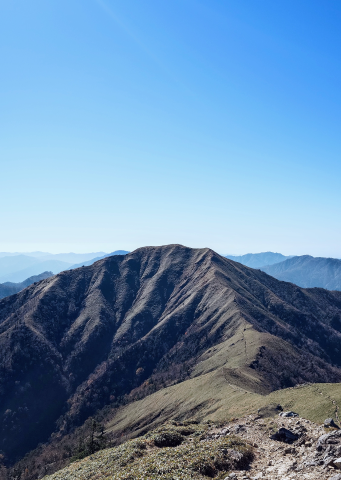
{"x":129,"y":325}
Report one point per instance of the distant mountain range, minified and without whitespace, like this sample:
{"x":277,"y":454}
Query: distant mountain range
{"x":258,"y":260}
{"x":10,"y":288}
{"x":307,"y":271}
{"x":130,"y":325}
{"x":93,"y":260}
{"x":17,"y":268}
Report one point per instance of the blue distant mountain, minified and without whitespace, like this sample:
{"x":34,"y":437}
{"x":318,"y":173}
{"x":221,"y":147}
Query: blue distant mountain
{"x":308,"y":272}
{"x":257,"y":260}
{"x":90,"y":262}
{"x":18,"y":267}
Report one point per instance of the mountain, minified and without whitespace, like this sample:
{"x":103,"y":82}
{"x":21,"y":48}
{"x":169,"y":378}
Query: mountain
{"x":93,"y":260}
{"x":9,"y":288}
{"x":308,"y":272}
{"x":130,"y":325}
{"x":257,"y":260}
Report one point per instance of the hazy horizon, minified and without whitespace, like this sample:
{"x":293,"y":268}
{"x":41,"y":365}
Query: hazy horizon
{"x":84,"y":251}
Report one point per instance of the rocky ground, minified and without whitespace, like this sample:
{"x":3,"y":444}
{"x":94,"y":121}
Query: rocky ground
{"x":311,"y":456}
{"x":269,"y":446}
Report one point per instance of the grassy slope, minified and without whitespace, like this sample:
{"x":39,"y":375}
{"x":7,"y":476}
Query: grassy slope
{"x":224,"y":386}
{"x":210,"y":396}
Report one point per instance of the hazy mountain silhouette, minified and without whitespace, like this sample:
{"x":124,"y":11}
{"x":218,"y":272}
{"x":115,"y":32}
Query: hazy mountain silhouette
{"x":73,"y":257}
{"x":93,"y":260}
{"x":54,"y":266}
{"x":14,"y":263}
{"x":79,"y":340}
{"x":307,"y":271}
{"x":257,"y":260}
{"x":16,"y":268}
{"x":10,"y":288}
{"x":28,"y":254}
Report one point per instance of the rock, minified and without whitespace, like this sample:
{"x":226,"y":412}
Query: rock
{"x":289,"y":450}
{"x":328,"y":461}
{"x":310,"y":464}
{"x":239,"y":428}
{"x":232,"y":476}
{"x":284,"y":435}
{"x":336,"y":477}
{"x":337,"y":463}
{"x":288,"y":414}
{"x":329,"y":423}
{"x":332,"y":438}
{"x":258,"y":476}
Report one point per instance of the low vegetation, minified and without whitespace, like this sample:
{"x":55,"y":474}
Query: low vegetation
{"x":174,"y":451}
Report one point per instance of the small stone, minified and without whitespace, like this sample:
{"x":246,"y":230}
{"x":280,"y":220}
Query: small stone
{"x":284,"y":435}
{"x":289,"y":450}
{"x":337,"y":463}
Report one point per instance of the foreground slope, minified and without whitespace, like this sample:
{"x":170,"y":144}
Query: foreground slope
{"x":174,"y":451}
{"x":215,"y":451}
{"x":129,"y":325}
{"x":307,"y":271}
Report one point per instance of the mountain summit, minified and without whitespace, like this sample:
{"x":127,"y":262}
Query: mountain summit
{"x":88,"y":337}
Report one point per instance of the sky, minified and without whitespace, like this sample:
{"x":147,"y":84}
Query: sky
{"x":210,"y":123}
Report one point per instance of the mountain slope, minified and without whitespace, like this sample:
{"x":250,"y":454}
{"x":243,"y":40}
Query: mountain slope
{"x":128,"y":325}
{"x":9,"y":288}
{"x":307,"y":271}
{"x":257,"y":260}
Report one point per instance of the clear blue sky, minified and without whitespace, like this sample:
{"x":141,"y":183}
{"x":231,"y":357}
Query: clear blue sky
{"x":144,"y":122}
